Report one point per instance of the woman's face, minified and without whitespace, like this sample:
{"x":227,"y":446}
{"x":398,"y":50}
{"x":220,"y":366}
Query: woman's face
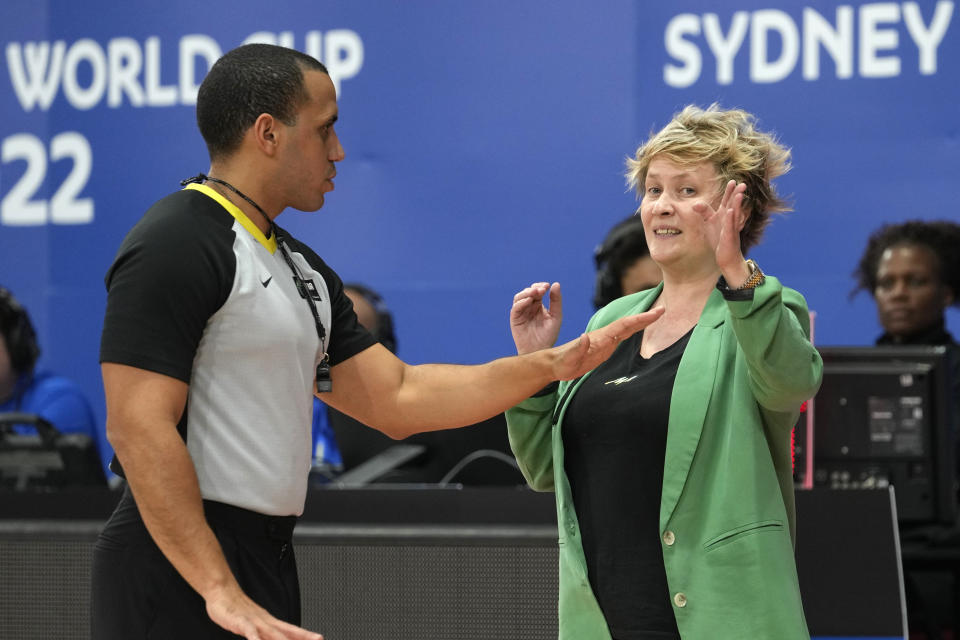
{"x":673,"y":229}
{"x":910,"y":296}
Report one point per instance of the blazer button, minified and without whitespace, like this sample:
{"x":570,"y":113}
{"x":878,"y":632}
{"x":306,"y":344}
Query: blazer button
{"x":680,"y":599}
{"x":669,"y":538}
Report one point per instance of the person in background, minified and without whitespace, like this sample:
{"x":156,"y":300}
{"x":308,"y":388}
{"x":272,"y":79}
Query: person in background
{"x":671,"y":461}
{"x":623,"y":263}
{"x":912,"y":270}
{"x":24,"y":389}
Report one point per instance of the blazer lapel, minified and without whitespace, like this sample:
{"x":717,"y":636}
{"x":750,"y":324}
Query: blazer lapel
{"x":691,"y":397}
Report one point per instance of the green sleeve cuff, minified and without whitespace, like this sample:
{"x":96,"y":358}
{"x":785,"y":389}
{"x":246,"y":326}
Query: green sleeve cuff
{"x":741,"y":307}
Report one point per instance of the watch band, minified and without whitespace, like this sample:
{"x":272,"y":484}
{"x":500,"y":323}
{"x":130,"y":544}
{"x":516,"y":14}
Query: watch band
{"x":756,"y":277}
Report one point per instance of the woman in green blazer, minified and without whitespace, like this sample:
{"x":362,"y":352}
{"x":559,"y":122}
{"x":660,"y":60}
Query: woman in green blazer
{"x":671,"y":461}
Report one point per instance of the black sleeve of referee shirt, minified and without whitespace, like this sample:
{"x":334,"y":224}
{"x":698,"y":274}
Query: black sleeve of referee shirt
{"x":174,"y":270}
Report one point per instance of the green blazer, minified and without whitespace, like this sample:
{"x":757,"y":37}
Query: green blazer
{"x":726,"y":509}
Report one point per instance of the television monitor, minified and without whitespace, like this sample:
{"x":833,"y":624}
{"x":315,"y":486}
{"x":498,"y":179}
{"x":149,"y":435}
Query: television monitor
{"x":886,"y":416}
{"x":45,"y":459}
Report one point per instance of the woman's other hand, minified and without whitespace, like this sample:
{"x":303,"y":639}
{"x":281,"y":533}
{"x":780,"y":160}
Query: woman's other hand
{"x":532,"y":324}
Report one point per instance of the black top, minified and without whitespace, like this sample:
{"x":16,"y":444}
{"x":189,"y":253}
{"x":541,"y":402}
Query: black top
{"x":936,"y":334}
{"x":614,"y":439}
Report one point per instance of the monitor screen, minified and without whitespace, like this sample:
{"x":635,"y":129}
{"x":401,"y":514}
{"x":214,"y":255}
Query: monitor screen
{"x":885,"y":416}
{"x":45,"y":459}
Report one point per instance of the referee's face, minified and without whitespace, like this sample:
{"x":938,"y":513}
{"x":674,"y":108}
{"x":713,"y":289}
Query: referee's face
{"x":310,"y":147}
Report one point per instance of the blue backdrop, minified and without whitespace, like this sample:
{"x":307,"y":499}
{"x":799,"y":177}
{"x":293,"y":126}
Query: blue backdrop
{"x":485,"y":143}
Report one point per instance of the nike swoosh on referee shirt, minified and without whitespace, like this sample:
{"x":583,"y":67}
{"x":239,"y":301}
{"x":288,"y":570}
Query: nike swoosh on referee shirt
{"x":266,"y":282}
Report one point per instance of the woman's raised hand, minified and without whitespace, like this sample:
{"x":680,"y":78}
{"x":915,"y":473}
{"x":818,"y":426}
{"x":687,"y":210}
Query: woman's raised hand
{"x":722,"y":229}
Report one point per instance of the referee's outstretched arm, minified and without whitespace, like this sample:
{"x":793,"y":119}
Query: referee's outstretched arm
{"x":383,"y":392}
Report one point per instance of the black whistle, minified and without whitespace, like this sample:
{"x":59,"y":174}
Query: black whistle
{"x":324,"y":383}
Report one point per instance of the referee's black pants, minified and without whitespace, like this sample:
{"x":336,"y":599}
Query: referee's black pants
{"x":136,"y":592}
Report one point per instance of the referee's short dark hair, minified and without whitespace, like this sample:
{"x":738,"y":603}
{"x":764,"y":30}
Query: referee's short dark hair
{"x":248,"y":81}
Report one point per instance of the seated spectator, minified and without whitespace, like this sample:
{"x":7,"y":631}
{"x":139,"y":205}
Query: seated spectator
{"x":24,"y":389}
{"x":623,"y":262}
{"x":912,"y":270}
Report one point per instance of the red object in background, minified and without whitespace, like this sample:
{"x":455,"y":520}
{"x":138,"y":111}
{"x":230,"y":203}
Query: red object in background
{"x":793,"y":441}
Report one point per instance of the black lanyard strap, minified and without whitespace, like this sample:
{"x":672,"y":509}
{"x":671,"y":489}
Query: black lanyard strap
{"x":302,"y":288}
{"x":324,"y":383}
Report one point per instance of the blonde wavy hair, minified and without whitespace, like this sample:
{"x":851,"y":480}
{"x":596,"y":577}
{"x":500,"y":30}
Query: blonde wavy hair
{"x":729,"y":140}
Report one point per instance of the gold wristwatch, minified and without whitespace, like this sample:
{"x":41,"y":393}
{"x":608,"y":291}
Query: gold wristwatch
{"x":756,"y":277}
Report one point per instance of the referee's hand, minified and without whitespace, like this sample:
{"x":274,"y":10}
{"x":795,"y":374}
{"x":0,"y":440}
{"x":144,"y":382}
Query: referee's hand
{"x":233,"y":610}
